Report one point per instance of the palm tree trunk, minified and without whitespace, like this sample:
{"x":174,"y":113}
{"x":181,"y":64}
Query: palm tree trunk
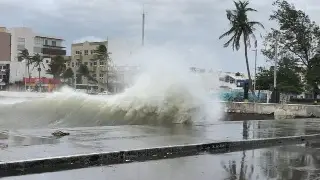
{"x":28,"y":68}
{"x":248,"y":67}
{"x":39,"y":70}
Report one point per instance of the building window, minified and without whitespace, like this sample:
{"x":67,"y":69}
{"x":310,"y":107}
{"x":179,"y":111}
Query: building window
{"x":21,"y":40}
{"x":85,"y":52}
{"x":92,"y":51}
{"x":101,"y":63}
{"x":38,"y":41}
{"x":91,"y":64}
{"x":72,"y":64}
{"x":47,"y":61}
{"x":78,"y":52}
{"x":69,"y":64}
{"x":95,"y":63}
{"x":86,"y":63}
{"x":101,"y":76}
{"x":46,"y":42}
{"x":54,"y":43}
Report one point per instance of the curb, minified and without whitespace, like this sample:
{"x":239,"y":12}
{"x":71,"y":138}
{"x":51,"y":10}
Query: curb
{"x":53,"y":164}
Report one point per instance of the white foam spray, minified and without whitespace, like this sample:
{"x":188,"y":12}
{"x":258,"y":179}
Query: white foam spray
{"x":165,"y":92}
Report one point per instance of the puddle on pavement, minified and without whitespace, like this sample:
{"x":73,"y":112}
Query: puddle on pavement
{"x":9,"y":140}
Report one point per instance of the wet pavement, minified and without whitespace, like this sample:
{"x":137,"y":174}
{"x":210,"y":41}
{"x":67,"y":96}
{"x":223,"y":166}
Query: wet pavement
{"x":30,"y":144}
{"x":283,"y":162}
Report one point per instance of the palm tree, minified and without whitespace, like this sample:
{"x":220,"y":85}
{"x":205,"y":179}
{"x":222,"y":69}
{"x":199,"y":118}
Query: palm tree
{"x":37,"y":60}
{"x":24,"y":55}
{"x":68,"y":74}
{"x":102,"y":55}
{"x":57,"y":67}
{"x":241,"y":27}
{"x":84,"y":72}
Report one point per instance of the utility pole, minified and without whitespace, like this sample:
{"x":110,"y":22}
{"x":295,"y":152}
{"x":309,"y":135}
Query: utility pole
{"x":143,"y":23}
{"x":275,"y":94}
{"x":255,"y":69}
{"x":275,"y":64}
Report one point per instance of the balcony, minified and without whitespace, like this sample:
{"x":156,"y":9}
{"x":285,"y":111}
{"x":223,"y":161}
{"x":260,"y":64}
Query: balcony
{"x":53,"y":52}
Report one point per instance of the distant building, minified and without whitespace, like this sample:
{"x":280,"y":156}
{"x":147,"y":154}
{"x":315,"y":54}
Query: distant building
{"x":25,"y":38}
{"x":226,"y":80}
{"x":84,"y":53}
{"x":5,"y":56}
{"x":230,"y":80}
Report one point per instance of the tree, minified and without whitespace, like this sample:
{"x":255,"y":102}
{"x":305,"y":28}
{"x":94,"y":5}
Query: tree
{"x":68,"y":74}
{"x":102,"y":55}
{"x":84,"y":71}
{"x":241,"y":27}
{"x":298,"y":37}
{"x":37,"y":60}
{"x":313,"y":75}
{"x":289,"y":80}
{"x":57,"y":67}
{"x":264,"y":78}
{"x":6,"y":78}
{"x":24,"y":55}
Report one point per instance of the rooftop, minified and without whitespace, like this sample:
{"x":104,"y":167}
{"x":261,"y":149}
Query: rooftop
{"x":49,"y":37}
{"x":91,"y":43}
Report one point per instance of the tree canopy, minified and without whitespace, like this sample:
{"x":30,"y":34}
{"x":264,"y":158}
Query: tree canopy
{"x":298,"y":40}
{"x":288,"y":78}
{"x":57,"y":66}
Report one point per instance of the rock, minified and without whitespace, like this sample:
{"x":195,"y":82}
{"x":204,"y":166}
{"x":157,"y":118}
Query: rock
{"x":60,"y":133}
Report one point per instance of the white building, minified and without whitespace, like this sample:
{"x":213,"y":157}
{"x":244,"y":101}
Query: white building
{"x":25,"y":38}
{"x":222,"y":80}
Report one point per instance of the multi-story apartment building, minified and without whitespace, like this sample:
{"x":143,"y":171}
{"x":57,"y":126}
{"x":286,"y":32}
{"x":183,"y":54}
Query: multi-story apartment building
{"x":5,"y":56}
{"x":85,"y":53}
{"x":25,"y":38}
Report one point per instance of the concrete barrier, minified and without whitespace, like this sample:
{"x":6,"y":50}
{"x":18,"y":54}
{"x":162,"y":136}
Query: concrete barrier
{"x":107,"y":158}
{"x":280,"y":111}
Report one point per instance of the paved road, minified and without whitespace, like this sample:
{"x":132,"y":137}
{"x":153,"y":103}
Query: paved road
{"x":39,"y":143}
{"x":287,"y":162}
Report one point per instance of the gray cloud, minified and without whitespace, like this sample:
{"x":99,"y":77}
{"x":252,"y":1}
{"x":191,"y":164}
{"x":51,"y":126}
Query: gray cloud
{"x":186,"y":23}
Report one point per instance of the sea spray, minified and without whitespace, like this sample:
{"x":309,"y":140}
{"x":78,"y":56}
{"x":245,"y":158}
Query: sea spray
{"x":164,"y":92}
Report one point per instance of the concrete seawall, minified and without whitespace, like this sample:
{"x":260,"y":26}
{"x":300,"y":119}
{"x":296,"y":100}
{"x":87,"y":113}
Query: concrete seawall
{"x":280,"y":111}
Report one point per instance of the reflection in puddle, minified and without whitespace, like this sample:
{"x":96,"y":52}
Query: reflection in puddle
{"x":285,"y":163}
{"x":8,"y":140}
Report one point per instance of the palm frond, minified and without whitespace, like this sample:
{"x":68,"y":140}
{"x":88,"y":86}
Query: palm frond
{"x":227,"y":33}
{"x":229,"y":41}
{"x":237,"y":42}
{"x":255,"y":23}
{"x":250,"y":9}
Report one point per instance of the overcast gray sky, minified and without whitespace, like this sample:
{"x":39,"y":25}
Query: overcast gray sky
{"x":185,"y":23}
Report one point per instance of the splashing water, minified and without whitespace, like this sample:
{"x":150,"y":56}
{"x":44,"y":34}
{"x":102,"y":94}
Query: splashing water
{"x":165,"y":92}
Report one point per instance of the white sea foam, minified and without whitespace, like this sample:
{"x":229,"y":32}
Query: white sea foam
{"x":165,"y":92}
